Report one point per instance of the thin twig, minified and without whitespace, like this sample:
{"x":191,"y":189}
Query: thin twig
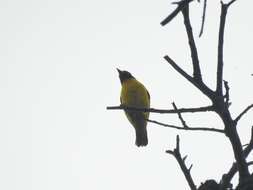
{"x":176,"y":153}
{"x":223,"y":16}
{"x":203,"y":18}
{"x":162,"y":111}
{"x":230,"y":3}
{"x":180,"y":6}
{"x":180,"y":116}
{"x":219,"y":79}
{"x":243,"y":112}
{"x":250,"y":163}
{"x":178,"y":69}
{"x":191,"y":41}
{"x":186,"y":128}
{"x":227,"y":93}
{"x":199,"y":84}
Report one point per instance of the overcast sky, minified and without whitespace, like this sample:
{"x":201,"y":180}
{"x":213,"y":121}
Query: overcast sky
{"x":58,"y":62}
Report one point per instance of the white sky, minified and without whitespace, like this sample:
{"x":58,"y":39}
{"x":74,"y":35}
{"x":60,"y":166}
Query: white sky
{"x":58,"y":74}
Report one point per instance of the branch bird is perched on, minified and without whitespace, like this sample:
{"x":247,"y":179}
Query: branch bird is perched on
{"x":134,"y":94}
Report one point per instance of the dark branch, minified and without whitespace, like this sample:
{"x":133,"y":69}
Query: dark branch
{"x":203,"y":19}
{"x":178,"y":69}
{"x":223,"y":16}
{"x":230,"y":3}
{"x":222,"y":108}
{"x":181,"y":161}
{"x":249,"y":147}
{"x":243,"y":112}
{"x":250,"y":163}
{"x":194,"y":52}
{"x":168,"y":111}
{"x":224,"y":8}
{"x":226,"y":178}
{"x":180,"y":116}
{"x":186,"y":128}
{"x":180,"y":6}
{"x":227,"y":93}
{"x":199,"y":84}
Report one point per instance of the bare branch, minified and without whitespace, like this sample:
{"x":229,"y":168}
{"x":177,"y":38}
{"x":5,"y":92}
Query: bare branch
{"x":203,"y":18}
{"x":224,"y":8}
{"x":176,"y":153}
{"x":249,"y":147}
{"x":243,"y":112}
{"x":180,"y":116}
{"x":223,"y":16}
{"x":178,"y":143}
{"x":170,"y":152}
{"x":227,"y":93}
{"x":193,"y":48}
{"x":162,"y":111}
{"x":250,"y":163}
{"x":226,"y":178}
{"x":231,"y":2}
{"x":180,"y":6}
{"x":186,"y":128}
{"x":222,"y":108}
{"x":199,"y":84}
{"x":190,"y":167}
{"x":178,"y":69}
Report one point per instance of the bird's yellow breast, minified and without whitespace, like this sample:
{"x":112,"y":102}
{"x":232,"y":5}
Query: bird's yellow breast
{"x":133,"y":93}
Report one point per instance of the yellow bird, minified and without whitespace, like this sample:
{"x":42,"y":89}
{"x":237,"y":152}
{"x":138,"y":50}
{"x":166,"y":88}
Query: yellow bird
{"x":134,"y":94}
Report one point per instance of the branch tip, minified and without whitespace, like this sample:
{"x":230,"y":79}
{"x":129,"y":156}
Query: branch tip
{"x":203,"y":18}
{"x":192,"y":44}
{"x":190,"y":168}
{"x":169,"y":152}
{"x":178,"y":140}
{"x":180,"y":6}
{"x":181,"y":161}
{"x":243,"y":113}
{"x":231,"y":2}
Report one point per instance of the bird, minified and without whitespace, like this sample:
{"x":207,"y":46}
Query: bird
{"x":134,"y":94}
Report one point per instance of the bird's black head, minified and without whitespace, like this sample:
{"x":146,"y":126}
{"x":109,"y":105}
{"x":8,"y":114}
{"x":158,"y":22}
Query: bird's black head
{"x":124,"y":75}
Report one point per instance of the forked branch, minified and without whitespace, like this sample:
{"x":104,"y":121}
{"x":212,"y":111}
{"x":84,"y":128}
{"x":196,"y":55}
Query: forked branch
{"x":222,"y":105}
{"x":226,"y":178}
{"x":180,"y":5}
{"x":181,"y":161}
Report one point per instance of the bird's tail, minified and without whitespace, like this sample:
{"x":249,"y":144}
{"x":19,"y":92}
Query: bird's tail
{"x":141,"y":137}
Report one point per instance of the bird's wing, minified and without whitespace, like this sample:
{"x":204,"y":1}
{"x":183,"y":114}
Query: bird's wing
{"x":137,"y":119}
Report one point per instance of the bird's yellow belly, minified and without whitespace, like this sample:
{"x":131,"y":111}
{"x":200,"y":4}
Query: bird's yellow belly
{"x":134,"y":94}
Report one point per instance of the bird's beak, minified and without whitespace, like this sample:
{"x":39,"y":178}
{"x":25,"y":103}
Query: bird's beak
{"x":119,"y":71}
